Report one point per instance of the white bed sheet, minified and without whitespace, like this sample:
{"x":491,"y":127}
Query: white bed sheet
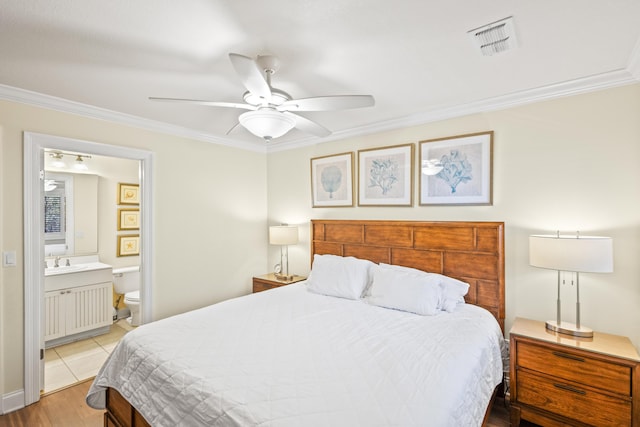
{"x":288,"y":357}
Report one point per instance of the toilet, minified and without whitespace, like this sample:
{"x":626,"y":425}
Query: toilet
{"x":126,"y":281}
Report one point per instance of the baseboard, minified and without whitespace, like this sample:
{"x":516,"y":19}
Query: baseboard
{"x":12,"y":402}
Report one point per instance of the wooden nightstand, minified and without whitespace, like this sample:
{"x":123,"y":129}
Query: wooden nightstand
{"x":269,"y":281}
{"x":559,"y":380}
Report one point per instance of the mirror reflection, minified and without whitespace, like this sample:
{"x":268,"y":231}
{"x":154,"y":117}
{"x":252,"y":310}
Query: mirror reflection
{"x":70,"y":214}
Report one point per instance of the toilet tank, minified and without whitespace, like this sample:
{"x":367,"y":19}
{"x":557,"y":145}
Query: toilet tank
{"x":126,"y":279}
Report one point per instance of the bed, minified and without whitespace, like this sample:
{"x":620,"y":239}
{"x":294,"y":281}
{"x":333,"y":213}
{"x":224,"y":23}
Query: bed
{"x":294,"y":356}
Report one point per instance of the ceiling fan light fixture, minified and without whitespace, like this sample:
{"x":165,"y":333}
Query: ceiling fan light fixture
{"x":431,"y":167}
{"x":267,"y":123}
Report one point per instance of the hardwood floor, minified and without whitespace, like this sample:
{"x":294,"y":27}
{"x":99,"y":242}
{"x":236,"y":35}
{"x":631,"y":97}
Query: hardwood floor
{"x":62,"y":408}
{"x":67,"y":408}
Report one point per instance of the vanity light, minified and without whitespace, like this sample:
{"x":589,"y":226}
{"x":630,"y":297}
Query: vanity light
{"x":79,"y":164}
{"x":57,"y":160}
{"x":59,"y":163}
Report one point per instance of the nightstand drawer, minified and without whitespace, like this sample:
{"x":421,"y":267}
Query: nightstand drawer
{"x":575,"y":366}
{"x":264,"y":286}
{"x":573,"y":401}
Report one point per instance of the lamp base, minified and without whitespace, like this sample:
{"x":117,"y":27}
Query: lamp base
{"x":569,"y":329}
{"x":283,"y":277}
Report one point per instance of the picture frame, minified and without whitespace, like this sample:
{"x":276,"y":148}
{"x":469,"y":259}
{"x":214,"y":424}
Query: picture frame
{"x":385,"y":176}
{"x":129,"y":219}
{"x":128,"y":245}
{"x":128,"y":194}
{"x":465,"y":178}
{"x":332,"y":180}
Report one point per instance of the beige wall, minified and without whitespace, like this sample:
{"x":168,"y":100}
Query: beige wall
{"x":567,"y":164}
{"x":209,"y":218}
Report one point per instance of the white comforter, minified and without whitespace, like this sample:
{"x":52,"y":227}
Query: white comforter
{"x":288,"y":357}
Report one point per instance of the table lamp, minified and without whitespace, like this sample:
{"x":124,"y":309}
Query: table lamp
{"x":576,"y":254}
{"x":283,"y":235}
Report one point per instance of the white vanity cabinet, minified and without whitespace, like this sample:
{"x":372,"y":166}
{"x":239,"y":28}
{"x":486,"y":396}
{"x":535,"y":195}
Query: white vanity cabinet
{"x":77,"y":305}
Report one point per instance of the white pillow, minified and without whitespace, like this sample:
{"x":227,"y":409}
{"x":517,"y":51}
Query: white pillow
{"x":453,"y":290}
{"x":344,"y":277}
{"x":405,"y":291}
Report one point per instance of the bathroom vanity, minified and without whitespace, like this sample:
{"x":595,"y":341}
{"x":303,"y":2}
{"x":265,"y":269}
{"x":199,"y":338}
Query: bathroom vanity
{"x":78,"y":300}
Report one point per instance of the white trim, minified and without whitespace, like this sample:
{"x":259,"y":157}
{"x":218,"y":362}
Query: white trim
{"x":634,"y":62}
{"x":558,"y":90}
{"x":36,"y":99}
{"x":34,"y":145}
{"x":572,"y":87}
{"x":12,"y":402}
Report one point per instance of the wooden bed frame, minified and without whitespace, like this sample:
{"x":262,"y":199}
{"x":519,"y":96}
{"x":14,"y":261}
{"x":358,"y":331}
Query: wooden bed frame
{"x":469,"y":251}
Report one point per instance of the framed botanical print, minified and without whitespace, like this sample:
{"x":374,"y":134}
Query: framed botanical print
{"x":457,"y":170}
{"x":385,"y":176}
{"x":332,"y":180}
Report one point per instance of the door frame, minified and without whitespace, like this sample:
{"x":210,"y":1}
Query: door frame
{"x":34,"y":145}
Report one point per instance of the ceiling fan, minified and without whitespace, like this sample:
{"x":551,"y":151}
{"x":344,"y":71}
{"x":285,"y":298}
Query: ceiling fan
{"x":271,"y":110}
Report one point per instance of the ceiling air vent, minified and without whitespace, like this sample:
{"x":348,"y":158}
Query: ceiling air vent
{"x":494,"y":38}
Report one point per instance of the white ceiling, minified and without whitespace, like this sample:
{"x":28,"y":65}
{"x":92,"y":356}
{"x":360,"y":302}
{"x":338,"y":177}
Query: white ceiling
{"x":413,"y":56}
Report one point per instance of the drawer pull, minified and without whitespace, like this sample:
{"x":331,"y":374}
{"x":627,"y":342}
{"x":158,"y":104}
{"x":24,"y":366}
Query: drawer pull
{"x":569,"y":388}
{"x":568,"y":356}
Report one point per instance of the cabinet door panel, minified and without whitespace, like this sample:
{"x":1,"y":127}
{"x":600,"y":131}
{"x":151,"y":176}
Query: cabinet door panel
{"x":89,"y":307}
{"x":54,"y":315}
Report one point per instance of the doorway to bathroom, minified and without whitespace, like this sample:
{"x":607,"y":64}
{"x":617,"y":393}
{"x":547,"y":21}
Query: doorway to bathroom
{"x":36,"y":148}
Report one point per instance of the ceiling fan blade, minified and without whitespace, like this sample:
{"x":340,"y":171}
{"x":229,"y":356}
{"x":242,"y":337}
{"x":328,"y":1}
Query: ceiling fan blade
{"x":325,"y":103}
{"x":308,"y":126}
{"x":251,"y":76}
{"x":208,"y":103}
{"x":232,"y":128}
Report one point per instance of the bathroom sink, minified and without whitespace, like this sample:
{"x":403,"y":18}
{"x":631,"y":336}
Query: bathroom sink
{"x":74,"y":275}
{"x":50,"y":271}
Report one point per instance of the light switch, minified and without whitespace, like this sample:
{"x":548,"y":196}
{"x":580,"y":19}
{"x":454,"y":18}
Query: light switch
{"x":9,"y":259}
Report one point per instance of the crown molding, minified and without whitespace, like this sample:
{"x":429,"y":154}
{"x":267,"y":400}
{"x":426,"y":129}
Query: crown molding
{"x":593,"y":83}
{"x":10,"y":93}
{"x":559,"y":90}
{"x":634,"y":62}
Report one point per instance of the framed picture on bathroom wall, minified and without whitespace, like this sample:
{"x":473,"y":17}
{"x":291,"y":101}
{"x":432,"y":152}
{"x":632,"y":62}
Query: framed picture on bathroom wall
{"x":128,"y":219}
{"x":128,"y":194}
{"x":128,"y":245}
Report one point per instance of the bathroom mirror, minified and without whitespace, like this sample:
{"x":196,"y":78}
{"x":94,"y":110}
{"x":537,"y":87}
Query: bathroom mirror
{"x":70,"y":214}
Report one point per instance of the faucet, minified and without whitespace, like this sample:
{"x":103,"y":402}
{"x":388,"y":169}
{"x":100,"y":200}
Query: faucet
{"x":56,"y":262}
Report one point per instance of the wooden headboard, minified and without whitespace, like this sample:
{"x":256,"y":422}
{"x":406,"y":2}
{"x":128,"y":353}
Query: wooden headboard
{"x":468,"y":251}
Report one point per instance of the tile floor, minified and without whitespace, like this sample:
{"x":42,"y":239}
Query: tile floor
{"x":68,"y":364}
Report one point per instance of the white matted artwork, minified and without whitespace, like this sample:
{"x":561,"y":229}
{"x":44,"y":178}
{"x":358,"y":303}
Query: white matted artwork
{"x":385,"y":176}
{"x":332,"y":180}
{"x":464,"y":166}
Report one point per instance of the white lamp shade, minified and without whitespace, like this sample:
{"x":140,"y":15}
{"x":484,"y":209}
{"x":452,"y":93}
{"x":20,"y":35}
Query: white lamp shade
{"x":587,"y":254}
{"x":283,"y":235}
{"x":267,"y":123}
